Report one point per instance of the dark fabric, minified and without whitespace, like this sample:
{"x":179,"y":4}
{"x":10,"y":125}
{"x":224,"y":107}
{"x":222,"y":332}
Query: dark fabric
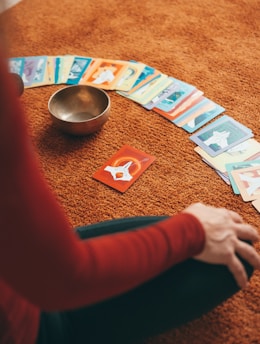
{"x":181,"y":294}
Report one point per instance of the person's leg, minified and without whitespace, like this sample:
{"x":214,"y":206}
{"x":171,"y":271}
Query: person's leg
{"x":181,"y":294}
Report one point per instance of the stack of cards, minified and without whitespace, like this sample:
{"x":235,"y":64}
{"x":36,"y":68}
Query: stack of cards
{"x":224,"y":144}
{"x":229,"y":147}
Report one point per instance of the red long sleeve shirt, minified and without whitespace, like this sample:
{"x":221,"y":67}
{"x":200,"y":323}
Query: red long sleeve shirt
{"x":43,"y":264}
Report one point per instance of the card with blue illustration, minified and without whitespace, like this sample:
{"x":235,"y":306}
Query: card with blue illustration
{"x":16,"y":65}
{"x":148,"y":74}
{"x":78,"y":68}
{"x":40,"y":77}
{"x":247,"y":150}
{"x":221,"y":135}
{"x":201,"y":113}
{"x":149,"y":90}
{"x":129,"y":76}
{"x":169,"y":103}
{"x":164,"y":93}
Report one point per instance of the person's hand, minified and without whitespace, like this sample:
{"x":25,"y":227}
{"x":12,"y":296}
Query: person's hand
{"x":225,"y":231}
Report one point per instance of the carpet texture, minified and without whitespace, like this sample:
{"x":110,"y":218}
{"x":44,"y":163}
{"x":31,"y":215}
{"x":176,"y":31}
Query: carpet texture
{"x":213,"y":45}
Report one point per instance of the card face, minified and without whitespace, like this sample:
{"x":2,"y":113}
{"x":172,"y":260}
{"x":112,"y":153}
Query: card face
{"x":198,"y":115}
{"x":79,"y":65}
{"x":16,"y":65}
{"x":149,"y":90}
{"x":65,"y":64}
{"x":29,"y":70}
{"x":238,"y":166}
{"x":169,"y":103}
{"x":248,"y":182}
{"x":256,"y":204}
{"x":164,"y":93}
{"x":247,"y":150}
{"x":123,"y":168}
{"x":148,"y":74}
{"x":221,"y":135}
{"x":129,"y":76}
{"x":40,"y":77}
{"x":184,"y":105}
{"x":104,"y":73}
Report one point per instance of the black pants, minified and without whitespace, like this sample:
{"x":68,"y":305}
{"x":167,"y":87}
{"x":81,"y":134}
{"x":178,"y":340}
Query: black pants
{"x":181,"y":294}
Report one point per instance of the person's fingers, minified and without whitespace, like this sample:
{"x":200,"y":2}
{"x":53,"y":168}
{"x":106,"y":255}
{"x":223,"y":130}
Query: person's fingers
{"x":235,"y":216}
{"x":247,"y":252}
{"x":245,"y":231}
{"x":238,"y":271}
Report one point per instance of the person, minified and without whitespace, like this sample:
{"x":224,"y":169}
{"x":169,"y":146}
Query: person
{"x":117,"y":281}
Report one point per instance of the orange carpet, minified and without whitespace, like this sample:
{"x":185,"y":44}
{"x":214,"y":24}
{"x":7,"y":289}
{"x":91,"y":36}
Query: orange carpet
{"x":213,"y":45}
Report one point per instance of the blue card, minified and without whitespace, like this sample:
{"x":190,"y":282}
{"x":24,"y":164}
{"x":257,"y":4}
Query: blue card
{"x":198,"y":115}
{"x":16,"y":65}
{"x":182,"y":91}
{"x":221,"y":135}
{"x":79,"y":66}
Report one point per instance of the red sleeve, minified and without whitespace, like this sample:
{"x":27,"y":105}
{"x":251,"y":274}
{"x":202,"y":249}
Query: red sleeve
{"x":43,"y":259}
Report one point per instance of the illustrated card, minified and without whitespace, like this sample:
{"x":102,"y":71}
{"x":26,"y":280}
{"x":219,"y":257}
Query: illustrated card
{"x":29,"y":70}
{"x":148,"y":91}
{"x":65,"y":65}
{"x":124,"y":168}
{"x":164,"y":93}
{"x":247,"y":150}
{"x":40,"y":77}
{"x":201,"y":113}
{"x":16,"y":65}
{"x":222,"y":134}
{"x":57,"y":68}
{"x":256,"y":204}
{"x":169,"y":103}
{"x":187,"y":103}
{"x":104,"y":73}
{"x":51,"y":69}
{"x":148,"y":74}
{"x":129,"y":76}
{"x":78,"y":68}
{"x":248,"y":182}
{"x":238,"y":166}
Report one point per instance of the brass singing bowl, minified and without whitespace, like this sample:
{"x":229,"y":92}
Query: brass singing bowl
{"x":79,"y":109}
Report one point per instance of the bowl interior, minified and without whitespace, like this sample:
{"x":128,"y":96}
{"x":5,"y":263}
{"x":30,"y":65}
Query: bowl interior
{"x":78,"y":103}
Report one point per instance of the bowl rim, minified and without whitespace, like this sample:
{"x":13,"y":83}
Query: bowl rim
{"x":87,"y":86}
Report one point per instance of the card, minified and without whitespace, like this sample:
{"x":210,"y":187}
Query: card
{"x":238,"y":166}
{"x":40,"y":77}
{"x":148,"y":74}
{"x":51,"y":69}
{"x":16,"y":65}
{"x":201,"y":113}
{"x":78,"y":68}
{"x":129,"y":76}
{"x":123,"y":168}
{"x":29,"y":70}
{"x":164,"y":93}
{"x":184,"y":105}
{"x":256,"y":204}
{"x":57,"y":68}
{"x":247,"y":150}
{"x":169,"y":103}
{"x":221,"y":135}
{"x":149,"y":90}
{"x":65,"y":64}
{"x":104,"y":73}
{"x":248,"y":182}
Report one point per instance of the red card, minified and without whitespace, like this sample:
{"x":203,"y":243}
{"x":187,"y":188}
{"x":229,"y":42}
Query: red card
{"x":123,"y":168}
